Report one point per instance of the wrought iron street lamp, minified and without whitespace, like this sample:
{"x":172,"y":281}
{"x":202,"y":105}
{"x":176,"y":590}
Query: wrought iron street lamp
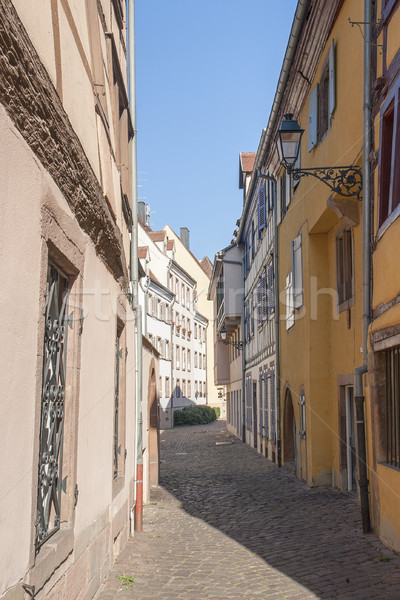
{"x":345,"y":181}
{"x":237,"y":345}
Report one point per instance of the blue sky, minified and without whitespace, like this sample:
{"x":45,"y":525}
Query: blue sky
{"x":206,"y":74}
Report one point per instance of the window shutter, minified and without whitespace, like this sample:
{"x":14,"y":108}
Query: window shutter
{"x":270,"y":288}
{"x":313,"y":118}
{"x":278,"y":202}
{"x":260,"y":399}
{"x":289,"y":301}
{"x":288,"y":190}
{"x":297,"y":273}
{"x":332,"y":79}
{"x":259,"y":302}
{"x":261,"y":208}
{"x":273,"y":405}
{"x":266,"y":404}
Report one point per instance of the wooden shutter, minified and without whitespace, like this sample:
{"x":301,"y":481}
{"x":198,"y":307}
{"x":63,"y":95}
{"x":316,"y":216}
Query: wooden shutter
{"x":297,"y":268}
{"x":261,"y":208}
{"x":273,"y":404}
{"x":313,"y":118}
{"x":332,"y":79}
{"x":289,"y":301}
{"x":278,"y":202}
{"x":271,"y":288}
{"x":260,"y":400}
{"x":266,"y":404}
{"x":259,"y":302}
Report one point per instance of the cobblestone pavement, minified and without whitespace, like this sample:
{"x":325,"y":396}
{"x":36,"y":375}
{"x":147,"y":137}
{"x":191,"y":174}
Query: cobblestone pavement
{"x":227,"y":524}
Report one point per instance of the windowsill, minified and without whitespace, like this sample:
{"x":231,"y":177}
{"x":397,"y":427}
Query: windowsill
{"x":389,"y":466}
{"x":51,"y":555}
{"x":118,"y":484}
{"x":388,"y":222}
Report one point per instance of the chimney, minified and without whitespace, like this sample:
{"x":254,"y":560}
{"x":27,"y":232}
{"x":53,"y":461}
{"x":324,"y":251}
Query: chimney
{"x":141,"y":211}
{"x":185,"y":237}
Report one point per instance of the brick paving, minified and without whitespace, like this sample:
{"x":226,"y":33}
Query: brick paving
{"x":226,"y":524}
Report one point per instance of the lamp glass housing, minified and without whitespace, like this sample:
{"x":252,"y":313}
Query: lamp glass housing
{"x":223,"y":333}
{"x":288,"y":141}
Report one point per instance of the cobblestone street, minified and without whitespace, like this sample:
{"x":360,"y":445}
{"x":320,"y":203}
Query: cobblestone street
{"x":227,"y":524}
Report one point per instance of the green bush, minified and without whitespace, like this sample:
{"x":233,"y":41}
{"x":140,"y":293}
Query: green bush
{"x":196,"y":415}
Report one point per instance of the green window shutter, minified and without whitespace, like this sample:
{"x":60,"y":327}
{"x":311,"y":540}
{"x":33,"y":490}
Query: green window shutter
{"x":313,"y":118}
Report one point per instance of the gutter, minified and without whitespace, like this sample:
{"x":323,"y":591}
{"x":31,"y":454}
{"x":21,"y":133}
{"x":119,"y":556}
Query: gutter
{"x":134,"y":273}
{"x":301,"y":13}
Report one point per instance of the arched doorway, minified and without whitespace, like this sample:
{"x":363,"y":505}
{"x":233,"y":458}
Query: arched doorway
{"x":289,"y":432}
{"x":153,"y":422}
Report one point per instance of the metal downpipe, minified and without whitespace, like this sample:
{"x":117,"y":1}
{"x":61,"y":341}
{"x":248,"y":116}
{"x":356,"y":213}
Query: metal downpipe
{"x":134,"y":271}
{"x":243,"y":360}
{"x":359,"y":397}
{"x":277,"y":333}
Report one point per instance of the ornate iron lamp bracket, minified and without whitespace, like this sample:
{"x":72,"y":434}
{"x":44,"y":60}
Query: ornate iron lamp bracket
{"x":345,"y":181}
{"x":237,"y":345}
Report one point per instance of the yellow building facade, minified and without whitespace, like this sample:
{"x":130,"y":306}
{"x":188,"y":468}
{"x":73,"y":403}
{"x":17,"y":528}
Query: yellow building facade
{"x":383,"y":396}
{"x":339,"y":282}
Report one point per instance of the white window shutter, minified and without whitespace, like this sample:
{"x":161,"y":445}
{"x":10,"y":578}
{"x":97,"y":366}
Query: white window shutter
{"x":332,"y":79}
{"x":297,"y":268}
{"x":288,"y":190}
{"x":278,"y":202}
{"x":261,"y":207}
{"x":313,"y":118}
{"x":289,"y":301}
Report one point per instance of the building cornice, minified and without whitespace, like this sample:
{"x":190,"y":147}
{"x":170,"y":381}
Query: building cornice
{"x":32,"y":103}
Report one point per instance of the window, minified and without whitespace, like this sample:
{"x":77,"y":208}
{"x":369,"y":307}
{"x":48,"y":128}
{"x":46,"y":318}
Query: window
{"x":178,"y":389}
{"x":344,"y":267}
{"x":393,"y":406}
{"x":322,"y":100}
{"x":297,"y":272}
{"x":189,"y":363}
{"x":167,"y":388}
{"x":184,"y":387}
{"x":183,"y":295}
{"x":253,"y":240}
{"x":189,"y":389}
{"x":150,"y":304}
{"x":273,"y":403}
{"x":184,"y":359}
{"x":167,"y":350}
{"x":160,"y":387}
{"x":389,"y":159}
{"x":177,"y":290}
{"x":187,"y":297}
{"x":195,"y":331}
{"x":195,"y":360}
{"x":178,"y":357}
{"x":260,"y":401}
{"x":204,"y":361}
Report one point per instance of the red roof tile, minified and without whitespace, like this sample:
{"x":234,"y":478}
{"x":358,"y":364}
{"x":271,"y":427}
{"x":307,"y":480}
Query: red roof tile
{"x":247,"y":159}
{"x":157,"y":236}
{"x":143,"y":251}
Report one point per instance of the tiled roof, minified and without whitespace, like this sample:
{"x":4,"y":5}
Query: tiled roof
{"x":207,"y":266}
{"x":153,"y":277}
{"x":170,"y":245}
{"x":143,"y":251}
{"x":247,"y":159}
{"x":157,"y":236}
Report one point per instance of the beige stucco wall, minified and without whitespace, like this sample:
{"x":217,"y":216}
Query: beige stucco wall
{"x":19,"y":305}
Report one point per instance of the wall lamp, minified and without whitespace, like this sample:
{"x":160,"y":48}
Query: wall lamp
{"x":237,"y":345}
{"x":346,"y":181}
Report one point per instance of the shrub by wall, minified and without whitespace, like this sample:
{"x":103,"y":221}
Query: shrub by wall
{"x":196,"y":415}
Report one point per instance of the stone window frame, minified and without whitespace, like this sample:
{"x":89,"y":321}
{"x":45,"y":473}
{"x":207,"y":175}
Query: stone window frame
{"x":62,"y":245}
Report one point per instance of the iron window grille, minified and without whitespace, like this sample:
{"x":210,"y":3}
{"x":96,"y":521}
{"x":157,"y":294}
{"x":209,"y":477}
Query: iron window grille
{"x":50,"y":482}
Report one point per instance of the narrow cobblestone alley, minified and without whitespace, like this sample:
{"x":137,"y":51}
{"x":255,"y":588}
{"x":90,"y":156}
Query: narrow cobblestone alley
{"x":227,"y":524}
